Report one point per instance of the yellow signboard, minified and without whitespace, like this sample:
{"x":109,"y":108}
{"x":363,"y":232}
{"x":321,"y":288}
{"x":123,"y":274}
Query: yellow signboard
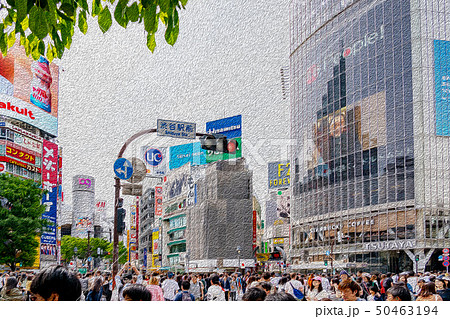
{"x":278,"y":240}
{"x":262,"y":257}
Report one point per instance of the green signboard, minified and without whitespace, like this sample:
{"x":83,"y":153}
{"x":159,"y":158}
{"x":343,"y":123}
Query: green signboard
{"x":217,"y":156}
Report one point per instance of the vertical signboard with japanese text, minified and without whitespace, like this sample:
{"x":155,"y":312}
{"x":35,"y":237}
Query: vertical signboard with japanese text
{"x":442,"y":86}
{"x":49,"y":184}
{"x":254,"y":230}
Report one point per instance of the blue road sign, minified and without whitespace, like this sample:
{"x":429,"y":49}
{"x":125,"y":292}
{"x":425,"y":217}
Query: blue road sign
{"x":328,"y":253}
{"x":90,"y":259}
{"x":123,"y":168}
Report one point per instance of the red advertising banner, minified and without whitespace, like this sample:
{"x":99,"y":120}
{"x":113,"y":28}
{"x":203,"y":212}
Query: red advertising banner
{"x":254,"y":229}
{"x":21,"y":164}
{"x":158,"y":200}
{"x":24,"y":156}
{"x":49,"y":165}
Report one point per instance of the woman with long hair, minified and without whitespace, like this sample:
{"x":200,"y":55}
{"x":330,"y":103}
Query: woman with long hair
{"x":10,"y":292}
{"x":428,"y":293}
{"x":317,"y":292}
{"x":154,"y":288}
{"x":96,"y":292}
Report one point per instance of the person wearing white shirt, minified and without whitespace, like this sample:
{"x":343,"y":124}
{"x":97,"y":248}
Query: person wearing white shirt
{"x":170,"y":287}
{"x":325,"y":283}
{"x":294,"y":283}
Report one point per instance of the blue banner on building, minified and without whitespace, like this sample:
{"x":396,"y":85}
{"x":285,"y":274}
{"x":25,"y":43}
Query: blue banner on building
{"x":442,"y":86}
{"x":145,"y":257}
{"x":230,"y":127}
{"x":187,"y":153}
{"x":50,"y":200}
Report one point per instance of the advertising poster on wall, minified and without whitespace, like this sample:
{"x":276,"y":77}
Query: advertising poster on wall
{"x":187,"y":153}
{"x":155,"y":160}
{"x":29,"y":90}
{"x":49,"y":183}
{"x":279,"y":174}
{"x":284,"y":204}
{"x":442,"y":86}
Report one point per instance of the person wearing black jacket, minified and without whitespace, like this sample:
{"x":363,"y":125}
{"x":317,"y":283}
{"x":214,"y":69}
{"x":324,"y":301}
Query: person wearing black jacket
{"x":442,"y":288}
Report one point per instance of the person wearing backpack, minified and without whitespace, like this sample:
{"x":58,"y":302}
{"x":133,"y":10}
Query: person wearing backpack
{"x":184,"y":294}
{"x":294,"y":285}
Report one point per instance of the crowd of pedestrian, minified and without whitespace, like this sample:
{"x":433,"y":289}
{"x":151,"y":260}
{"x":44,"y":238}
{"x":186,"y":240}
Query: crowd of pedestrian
{"x":131,"y":284}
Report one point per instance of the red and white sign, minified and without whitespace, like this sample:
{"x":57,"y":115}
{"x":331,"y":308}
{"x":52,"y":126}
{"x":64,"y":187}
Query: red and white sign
{"x":49,"y":165}
{"x":445,"y":251}
{"x":2,"y":167}
{"x":21,"y":164}
{"x":158,"y":200}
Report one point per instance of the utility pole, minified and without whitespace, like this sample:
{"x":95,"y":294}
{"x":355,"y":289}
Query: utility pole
{"x":89,"y":250}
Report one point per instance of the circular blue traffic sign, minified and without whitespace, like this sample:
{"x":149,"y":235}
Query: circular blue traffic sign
{"x":153,"y":157}
{"x":446,"y":263}
{"x":123,"y":168}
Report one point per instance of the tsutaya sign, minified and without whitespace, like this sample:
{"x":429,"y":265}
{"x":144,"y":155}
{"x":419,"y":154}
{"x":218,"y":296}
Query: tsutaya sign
{"x":390,"y":245}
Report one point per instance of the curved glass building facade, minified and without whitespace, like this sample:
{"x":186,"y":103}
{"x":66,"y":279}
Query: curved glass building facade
{"x":361,"y":120}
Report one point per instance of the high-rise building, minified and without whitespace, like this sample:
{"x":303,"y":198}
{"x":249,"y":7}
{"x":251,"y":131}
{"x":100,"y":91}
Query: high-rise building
{"x":83,"y":207}
{"x":222,"y":219}
{"x":370,"y":115}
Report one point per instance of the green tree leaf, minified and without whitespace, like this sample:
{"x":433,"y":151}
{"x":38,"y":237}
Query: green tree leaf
{"x":120,"y":13}
{"x":150,"y":19}
{"x":21,"y":9}
{"x":38,"y":22}
{"x":105,"y":20}
{"x":151,"y":42}
{"x":68,"y":9}
{"x":96,"y":7}
{"x":49,"y":53}
{"x":11,"y":39}
{"x":41,"y":47}
{"x":82,"y":24}
{"x":133,"y":12}
{"x":164,"y":5}
{"x":52,"y":12}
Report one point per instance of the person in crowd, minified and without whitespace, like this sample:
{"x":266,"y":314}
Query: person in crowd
{"x":203,"y":285}
{"x":404,"y":278}
{"x":280,"y":296}
{"x":274,"y":279}
{"x":428,"y":293}
{"x":294,"y":283}
{"x":184,"y":294}
{"x":233,"y":288}
{"x":350,"y":290}
{"x":136,"y":292}
{"x":374,"y":294}
{"x":344,"y":275}
{"x":10,"y":291}
{"x":282,"y":284}
{"x":388,"y":281}
{"x":317,"y":293}
{"x":215,"y":291}
{"x":96,"y":291}
{"x":374,"y":281}
{"x":106,"y":289}
{"x":266,"y":286}
{"x":398,"y":292}
{"x":55,"y":284}
{"x":170,"y":287}
{"x":335,"y":293}
{"x":442,"y":288}
{"x":325,"y":282}
{"x":420,"y":284}
{"x":154,"y":288}
{"x":254,"y":294}
{"x":252,"y":282}
{"x":226,"y":285}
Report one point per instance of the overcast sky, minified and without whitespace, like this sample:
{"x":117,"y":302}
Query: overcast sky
{"x":226,"y":61}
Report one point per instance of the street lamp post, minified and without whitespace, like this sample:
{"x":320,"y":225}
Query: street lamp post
{"x":238,"y":250}
{"x":89,"y":250}
{"x":186,"y":261}
{"x":117,"y":186}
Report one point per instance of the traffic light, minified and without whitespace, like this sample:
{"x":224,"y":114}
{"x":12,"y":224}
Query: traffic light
{"x":417,"y":257}
{"x":121,"y":212}
{"x":325,"y":262}
{"x":216,"y":142}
